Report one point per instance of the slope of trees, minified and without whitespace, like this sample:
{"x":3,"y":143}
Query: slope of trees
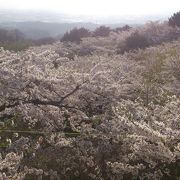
{"x":96,"y":116}
{"x":11,"y":35}
{"x":174,"y":20}
{"x":133,"y":42}
{"x":102,"y":31}
{"x":75,"y":35}
{"x":15,"y":40}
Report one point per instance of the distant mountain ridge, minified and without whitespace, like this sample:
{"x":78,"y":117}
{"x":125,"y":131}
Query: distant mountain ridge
{"x":36,"y":30}
{"x":40,"y":24}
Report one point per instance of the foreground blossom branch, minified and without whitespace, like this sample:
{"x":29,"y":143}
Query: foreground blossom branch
{"x":36,"y":102}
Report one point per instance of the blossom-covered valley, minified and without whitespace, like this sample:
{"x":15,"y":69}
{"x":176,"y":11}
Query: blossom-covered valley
{"x":92,"y":110}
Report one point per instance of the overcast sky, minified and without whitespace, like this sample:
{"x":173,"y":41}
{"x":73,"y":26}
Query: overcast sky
{"x":97,"y":7}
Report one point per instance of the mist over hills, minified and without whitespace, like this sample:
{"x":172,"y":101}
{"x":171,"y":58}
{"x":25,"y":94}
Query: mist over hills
{"x":38,"y":29}
{"x":40,"y":24}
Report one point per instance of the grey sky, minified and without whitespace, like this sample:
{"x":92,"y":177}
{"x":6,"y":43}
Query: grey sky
{"x":97,"y":7}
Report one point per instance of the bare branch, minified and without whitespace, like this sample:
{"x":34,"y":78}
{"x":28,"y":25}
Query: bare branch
{"x":37,"y":102}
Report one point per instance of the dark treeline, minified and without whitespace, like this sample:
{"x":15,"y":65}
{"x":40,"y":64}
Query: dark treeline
{"x":15,"y":40}
{"x":76,"y":34}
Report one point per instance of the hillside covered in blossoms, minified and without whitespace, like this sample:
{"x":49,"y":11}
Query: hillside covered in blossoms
{"x":99,"y":109}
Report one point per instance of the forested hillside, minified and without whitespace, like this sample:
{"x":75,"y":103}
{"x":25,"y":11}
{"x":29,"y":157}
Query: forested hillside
{"x":105,"y":108}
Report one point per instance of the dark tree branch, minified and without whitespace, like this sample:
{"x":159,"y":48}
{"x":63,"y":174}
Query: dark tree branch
{"x":37,"y":102}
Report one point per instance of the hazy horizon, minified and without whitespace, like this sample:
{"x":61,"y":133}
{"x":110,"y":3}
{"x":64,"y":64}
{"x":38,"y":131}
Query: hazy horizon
{"x":96,"y":8}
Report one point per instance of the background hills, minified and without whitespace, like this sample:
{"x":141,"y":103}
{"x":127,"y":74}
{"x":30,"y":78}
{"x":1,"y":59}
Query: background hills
{"x":41,"y":24}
